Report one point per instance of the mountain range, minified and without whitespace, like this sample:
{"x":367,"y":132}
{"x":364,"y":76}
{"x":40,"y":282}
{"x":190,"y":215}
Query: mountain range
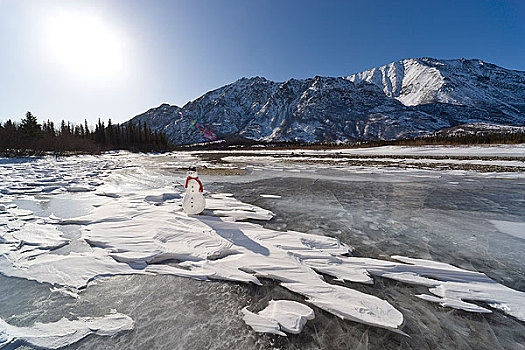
{"x":406,"y":98}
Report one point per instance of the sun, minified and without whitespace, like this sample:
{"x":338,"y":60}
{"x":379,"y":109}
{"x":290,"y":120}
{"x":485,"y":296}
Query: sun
{"x":84,"y":46}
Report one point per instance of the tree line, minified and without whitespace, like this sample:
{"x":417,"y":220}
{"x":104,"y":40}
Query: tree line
{"x":29,"y":137}
{"x":480,"y":138}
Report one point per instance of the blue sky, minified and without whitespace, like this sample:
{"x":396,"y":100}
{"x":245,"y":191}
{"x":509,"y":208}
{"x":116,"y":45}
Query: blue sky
{"x":115,"y":58}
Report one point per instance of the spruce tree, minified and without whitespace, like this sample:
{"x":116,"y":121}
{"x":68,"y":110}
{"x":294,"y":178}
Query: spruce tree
{"x":30,"y":127}
{"x":86,"y":128}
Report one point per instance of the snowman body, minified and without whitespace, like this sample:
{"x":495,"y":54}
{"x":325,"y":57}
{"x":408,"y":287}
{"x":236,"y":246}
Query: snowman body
{"x":193,"y":202}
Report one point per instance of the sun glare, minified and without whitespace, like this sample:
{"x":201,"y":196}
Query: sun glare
{"x":84,"y":46}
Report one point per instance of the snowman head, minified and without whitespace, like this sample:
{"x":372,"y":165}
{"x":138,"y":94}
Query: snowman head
{"x":192,"y":171}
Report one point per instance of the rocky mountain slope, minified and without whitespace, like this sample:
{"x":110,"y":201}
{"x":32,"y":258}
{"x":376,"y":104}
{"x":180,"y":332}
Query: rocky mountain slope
{"x":403,"y":99}
{"x":471,"y":83}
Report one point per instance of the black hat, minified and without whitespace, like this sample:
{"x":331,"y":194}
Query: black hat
{"x":192,"y":168}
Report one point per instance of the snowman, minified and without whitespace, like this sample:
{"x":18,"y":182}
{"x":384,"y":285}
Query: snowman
{"x":193,"y":202}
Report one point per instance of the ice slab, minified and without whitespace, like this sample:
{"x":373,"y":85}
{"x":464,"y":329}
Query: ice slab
{"x":64,"y":332}
{"x":261,"y":324}
{"x":279,"y":316}
{"x":270,"y":196}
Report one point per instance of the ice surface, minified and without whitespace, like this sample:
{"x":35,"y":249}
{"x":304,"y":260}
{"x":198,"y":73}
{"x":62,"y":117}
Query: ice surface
{"x":515,"y":229}
{"x":489,"y":150}
{"x":64,"y":332}
{"x":140,"y":229}
{"x":437,"y":150}
{"x":130,"y":236}
{"x":279,"y":316}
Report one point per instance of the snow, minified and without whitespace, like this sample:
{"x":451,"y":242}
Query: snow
{"x":517,"y":150}
{"x":418,"y":81}
{"x":472,"y":151}
{"x":496,"y":161}
{"x":140,"y":229}
{"x":400,"y":160}
{"x":505,"y":163}
{"x":406,"y":75}
{"x":515,"y":229}
{"x":63,"y":332}
{"x":220,"y":247}
{"x":279,"y":316}
{"x":262,"y":324}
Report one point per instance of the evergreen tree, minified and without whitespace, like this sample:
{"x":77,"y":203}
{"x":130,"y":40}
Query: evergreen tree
{"x":31,"y":138}
{"x":63,"y":128}
{"x":109,"y":134}
{"x":30,"y":127}
{"x":86,"y":128}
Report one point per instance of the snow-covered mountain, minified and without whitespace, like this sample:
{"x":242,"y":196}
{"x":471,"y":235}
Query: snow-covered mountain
{"x":471,"y":83}
{"x":403,"y":99}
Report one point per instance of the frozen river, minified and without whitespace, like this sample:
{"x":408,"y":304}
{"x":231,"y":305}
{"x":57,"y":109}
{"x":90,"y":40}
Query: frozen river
{"x":163,"y":296}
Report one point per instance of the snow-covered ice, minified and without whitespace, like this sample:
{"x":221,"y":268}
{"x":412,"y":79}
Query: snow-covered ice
{"x":517,"y":150}
{"x":270,"y":196}
{"x":64,"y":332}
{"x":133,"y":224}
{"x":279,"y":316}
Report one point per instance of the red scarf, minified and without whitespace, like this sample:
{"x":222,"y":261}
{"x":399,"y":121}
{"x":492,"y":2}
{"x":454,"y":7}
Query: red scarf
{"x":196,"y":179}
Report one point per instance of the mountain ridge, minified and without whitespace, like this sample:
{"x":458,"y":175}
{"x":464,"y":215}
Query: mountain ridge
{"x":399,"y":80}
{"x":406,"y":98}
